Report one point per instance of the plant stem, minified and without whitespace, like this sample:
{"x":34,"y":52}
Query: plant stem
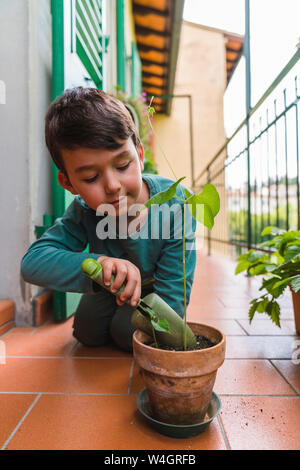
{"x":154,"y":336}
{"x":183,"y":235}
{"x":183,"y":268}
{"x":161,"y":149}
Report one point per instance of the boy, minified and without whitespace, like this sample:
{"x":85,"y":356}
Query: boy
{"x":95,"y":145}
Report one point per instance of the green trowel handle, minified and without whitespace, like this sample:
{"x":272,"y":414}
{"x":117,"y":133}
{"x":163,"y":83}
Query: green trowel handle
{"x":95,"y":271}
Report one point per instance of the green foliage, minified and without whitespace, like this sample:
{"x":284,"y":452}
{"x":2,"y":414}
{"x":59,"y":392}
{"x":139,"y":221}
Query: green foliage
{"x":164,"y":196}
{"x":238,"y":222}
{"x":281,"y":267}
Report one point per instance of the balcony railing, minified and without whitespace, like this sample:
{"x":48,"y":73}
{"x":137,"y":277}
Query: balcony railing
{"x":257,"y":169}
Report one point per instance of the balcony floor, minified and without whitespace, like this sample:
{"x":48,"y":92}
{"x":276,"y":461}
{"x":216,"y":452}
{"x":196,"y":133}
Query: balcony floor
{"x":57,"y":394}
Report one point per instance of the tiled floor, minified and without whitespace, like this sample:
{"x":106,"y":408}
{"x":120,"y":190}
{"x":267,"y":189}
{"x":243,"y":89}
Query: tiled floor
{"x":57,"y":394}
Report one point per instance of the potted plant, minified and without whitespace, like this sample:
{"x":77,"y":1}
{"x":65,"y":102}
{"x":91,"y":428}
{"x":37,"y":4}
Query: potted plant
{"x":180,"y":381}
{"x":178,"y":360}
{"x":280,"y":266}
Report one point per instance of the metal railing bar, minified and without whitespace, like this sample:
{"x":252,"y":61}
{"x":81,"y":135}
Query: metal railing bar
{"x":274,"y":84}
{"x":239,"y":243}
{"x":251,"y":142}
{"x":286,"y":164}
{"x":297,"y":158}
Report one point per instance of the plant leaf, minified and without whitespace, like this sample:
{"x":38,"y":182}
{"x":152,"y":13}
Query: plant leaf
{"x":275,"y":314}
{"x":162,"y":325}
{"x":242,"y":266}
{"x":187,"y":193}
{"x":252,"y":311}
{"x":295,"y":283}
{"x":163,"y":196}
{"x":271,"y":230}
{"x":292,"y":251}
{"x":201,"y":211}
{"x":256,"y":255}
{"x":261,"y":306}
{"x":258,"y":269}
{"x":205,"y":206}
{"x":209,"y":196}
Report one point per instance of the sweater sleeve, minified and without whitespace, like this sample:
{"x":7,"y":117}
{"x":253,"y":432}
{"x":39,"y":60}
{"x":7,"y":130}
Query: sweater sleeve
{"x":54,"y":261}
{"x":169,"y":268}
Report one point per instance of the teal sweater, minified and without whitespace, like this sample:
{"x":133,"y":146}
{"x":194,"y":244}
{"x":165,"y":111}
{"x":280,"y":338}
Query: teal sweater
{"x":54,"y":261}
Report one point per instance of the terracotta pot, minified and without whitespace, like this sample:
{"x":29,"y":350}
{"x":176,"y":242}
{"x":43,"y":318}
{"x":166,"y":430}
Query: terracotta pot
{"x":296,"y":305}
{"x":180,"y":383}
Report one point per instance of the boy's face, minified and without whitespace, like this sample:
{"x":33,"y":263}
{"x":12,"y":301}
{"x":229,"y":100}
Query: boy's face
{"x":102,"y":176}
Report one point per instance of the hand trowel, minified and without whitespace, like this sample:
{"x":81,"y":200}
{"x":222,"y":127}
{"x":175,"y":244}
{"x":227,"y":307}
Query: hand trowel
{"x":150,"y":312}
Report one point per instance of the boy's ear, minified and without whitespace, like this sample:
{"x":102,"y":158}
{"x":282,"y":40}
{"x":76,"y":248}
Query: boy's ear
{"x":141,"y":156}
{"x":63,"y":180}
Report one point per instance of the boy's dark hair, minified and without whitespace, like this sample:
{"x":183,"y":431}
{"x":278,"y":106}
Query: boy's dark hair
{"x":87,"y":117}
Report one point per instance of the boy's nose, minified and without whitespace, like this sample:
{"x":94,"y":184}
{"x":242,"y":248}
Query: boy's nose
{"x":111,"y":184}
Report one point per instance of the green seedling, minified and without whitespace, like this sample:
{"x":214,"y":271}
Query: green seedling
{"x":204,"y":207}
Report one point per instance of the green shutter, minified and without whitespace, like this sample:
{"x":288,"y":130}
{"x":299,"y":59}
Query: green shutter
{"x":136,"y":72}
{"x":121,"y":53}
{"x":89,"y":37}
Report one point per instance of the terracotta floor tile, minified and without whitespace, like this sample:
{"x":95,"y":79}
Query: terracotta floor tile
{"x":99,"y":422}
{"x":290,"y":370}
{"x":254,"y":377}
{"x":12,"y":410}
{"x":57,"y":328}
{"x":263,"y":423}
{"x":215,"y":312}
{"x":228,"y":327}
{"x":137,"y":383}
{"x":66,"y":375}
{"x":267,"y":327}
{"x":24,"y":344}
{"x":104,"y":351}
{"x":241,"y":302}
{"x":27,"y":331}
{"x":259,"y":347}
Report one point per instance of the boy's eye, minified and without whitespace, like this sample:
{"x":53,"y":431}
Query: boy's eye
{"x":91,"y":180}
{"x":122,"y":168}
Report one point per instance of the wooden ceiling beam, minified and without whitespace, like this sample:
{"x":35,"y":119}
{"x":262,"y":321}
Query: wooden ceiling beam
{"x":153,"y":62}
{"x":148,"y":31}
{"x":145,"y":10}
{"x":148,"y":74}
{"x":145,"y":48}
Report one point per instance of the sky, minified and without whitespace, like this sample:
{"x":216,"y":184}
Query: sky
{"x":274,"y":30}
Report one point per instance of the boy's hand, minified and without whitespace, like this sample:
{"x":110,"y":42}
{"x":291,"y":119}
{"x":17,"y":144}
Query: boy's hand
{"x":124,"y":271}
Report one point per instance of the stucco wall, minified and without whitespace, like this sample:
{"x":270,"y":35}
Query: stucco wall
{"x":25,"y":67}
{"x":201,"y":73}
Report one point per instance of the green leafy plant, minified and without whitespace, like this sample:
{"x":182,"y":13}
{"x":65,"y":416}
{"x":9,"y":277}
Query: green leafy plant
{"x":208,"y":200}
{"x":280,"y":268}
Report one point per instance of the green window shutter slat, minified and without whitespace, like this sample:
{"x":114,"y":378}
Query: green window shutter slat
{"x":97,"y":6}
{"x":87,"y":42}
{"x":136,"y":72}
{"x":121,"y":56}
{"x":89,"y":37}
{"x":86,"y":60}
{"x":89,"y":29}
{"x":95,"y":21}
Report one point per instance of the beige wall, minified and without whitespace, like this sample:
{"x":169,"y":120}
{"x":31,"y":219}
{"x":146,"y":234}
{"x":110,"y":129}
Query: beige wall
{"x":201,"y":73}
